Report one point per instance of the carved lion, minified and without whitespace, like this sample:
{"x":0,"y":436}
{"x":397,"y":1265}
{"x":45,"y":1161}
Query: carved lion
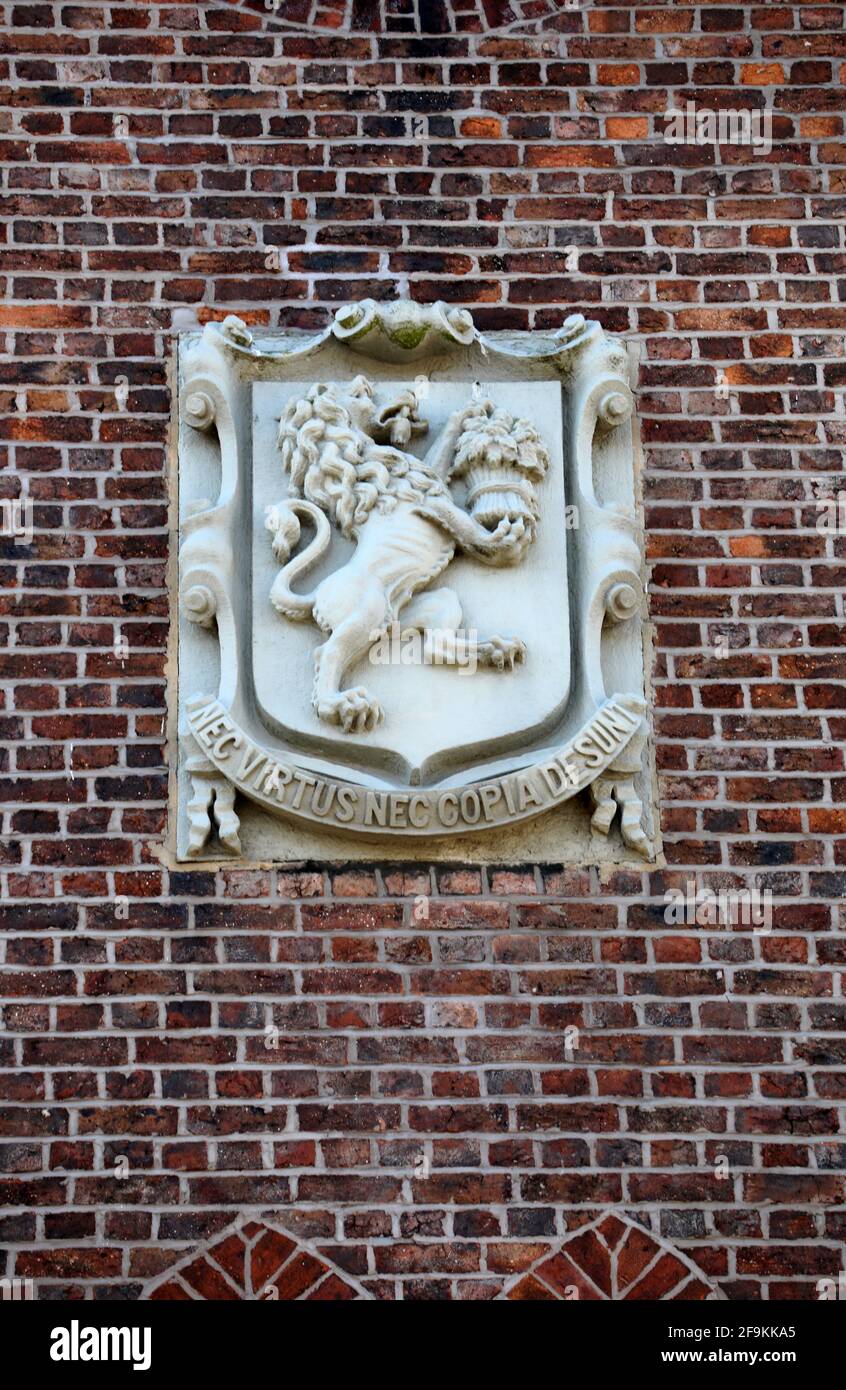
{"x":348,"y":468}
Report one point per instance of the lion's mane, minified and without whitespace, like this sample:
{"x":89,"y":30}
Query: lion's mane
{"x":339,"y":468}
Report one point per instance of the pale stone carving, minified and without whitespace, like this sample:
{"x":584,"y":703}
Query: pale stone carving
{"x":421,"y":484}
{"x":212,"y":802}
{"x":406,"y":525}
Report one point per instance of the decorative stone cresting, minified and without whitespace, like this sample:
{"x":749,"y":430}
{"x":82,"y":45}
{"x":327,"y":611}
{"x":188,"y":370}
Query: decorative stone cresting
{"x":250,"y":1261}
{"x":613,"y":1260}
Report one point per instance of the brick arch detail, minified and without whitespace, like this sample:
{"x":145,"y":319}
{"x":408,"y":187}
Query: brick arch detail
{"x":251,"y":1261}
{"x":429,"y":17}
{"x":614,"y":1259}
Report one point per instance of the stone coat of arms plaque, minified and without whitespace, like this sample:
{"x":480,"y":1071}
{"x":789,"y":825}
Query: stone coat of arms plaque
{"x":410,"y":594}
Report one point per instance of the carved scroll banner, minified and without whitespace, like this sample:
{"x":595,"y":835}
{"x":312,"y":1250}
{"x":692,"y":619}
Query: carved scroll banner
{"x":283,"y":786}
{"x":410,"y":594}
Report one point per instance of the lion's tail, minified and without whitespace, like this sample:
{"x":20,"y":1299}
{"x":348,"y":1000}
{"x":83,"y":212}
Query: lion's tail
{"x":283,"y":521}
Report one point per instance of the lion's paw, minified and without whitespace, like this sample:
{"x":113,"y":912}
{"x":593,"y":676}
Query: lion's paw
{"x":503,"y":653}
{"x":510,"y":533}
{"x":355,"y":711}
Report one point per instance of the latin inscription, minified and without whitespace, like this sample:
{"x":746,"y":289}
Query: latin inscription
{"x":285,"y":786}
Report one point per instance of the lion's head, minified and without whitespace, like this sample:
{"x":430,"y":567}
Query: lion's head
{"x":330,"y":441}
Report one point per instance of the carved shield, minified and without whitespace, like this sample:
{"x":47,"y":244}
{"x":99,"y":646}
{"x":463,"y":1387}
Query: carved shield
{"x":437,"y":717}
{"x":410,"y":586}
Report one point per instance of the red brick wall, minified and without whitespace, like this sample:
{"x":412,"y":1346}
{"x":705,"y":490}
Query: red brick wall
{"x":421,"y":1122}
